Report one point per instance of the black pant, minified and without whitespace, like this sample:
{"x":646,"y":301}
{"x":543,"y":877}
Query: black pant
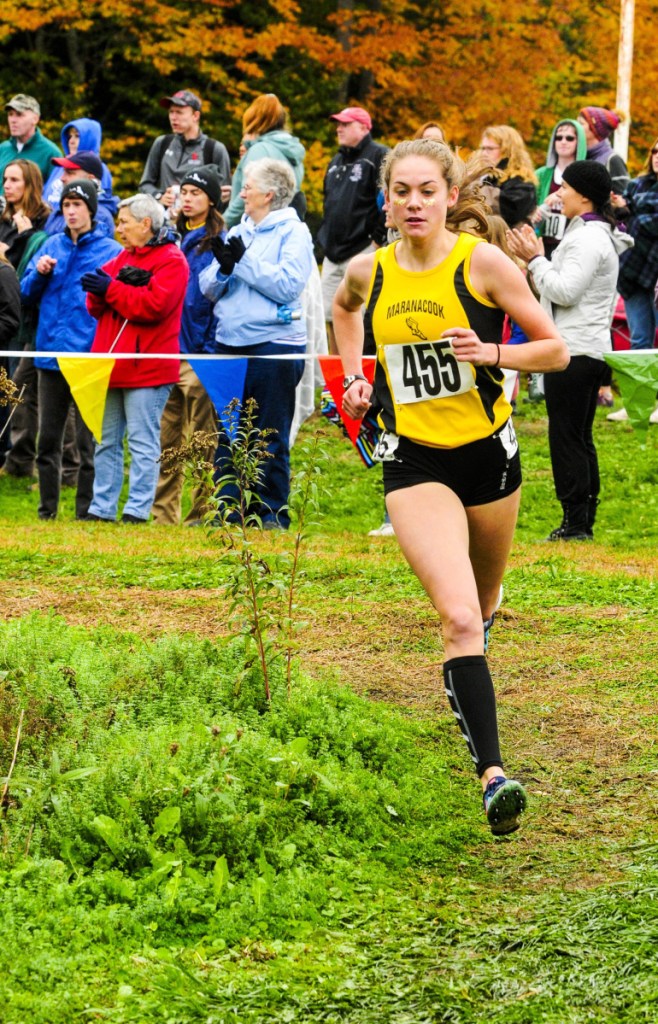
{"x":571,"y":404}
{"x":54,"y":402}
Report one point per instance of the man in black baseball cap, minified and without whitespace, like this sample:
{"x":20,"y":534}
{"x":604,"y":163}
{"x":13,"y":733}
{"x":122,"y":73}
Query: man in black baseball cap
{"x":182,"y":98}
{"x":173,"y":156}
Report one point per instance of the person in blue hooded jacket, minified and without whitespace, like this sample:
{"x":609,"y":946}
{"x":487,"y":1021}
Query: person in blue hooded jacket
{"x":188,"y":408}
{"x":53,"y":280}
{"x":256,"y":280}
{"x":83,"y":134}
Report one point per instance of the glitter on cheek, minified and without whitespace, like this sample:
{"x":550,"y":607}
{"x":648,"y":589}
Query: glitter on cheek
{"x":399,"y":200}
{"x":429,"y":201}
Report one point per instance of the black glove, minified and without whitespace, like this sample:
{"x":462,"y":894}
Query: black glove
{"x":96,"y":281}
{"x":228,"y":253}
{"x":135,"y":276}
{"x":237,"y":247}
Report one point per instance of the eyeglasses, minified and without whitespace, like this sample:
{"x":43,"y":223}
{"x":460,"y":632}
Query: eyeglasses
{"x":565,"y":138}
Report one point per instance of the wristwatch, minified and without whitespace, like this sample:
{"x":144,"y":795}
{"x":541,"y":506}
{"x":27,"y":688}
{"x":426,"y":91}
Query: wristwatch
{"x":351,"y":378}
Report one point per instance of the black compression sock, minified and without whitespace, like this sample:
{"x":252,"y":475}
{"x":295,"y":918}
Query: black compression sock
{"x":473,"y":701}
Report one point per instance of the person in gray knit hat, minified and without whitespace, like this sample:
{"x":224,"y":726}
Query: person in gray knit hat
{"x":578,"y":289}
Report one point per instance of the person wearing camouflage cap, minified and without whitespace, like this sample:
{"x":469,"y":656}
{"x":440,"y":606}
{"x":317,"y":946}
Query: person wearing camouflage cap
{"x":25,"y":139}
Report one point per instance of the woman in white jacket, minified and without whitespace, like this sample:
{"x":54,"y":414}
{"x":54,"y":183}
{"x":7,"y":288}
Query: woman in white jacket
{"x":578,"y":289}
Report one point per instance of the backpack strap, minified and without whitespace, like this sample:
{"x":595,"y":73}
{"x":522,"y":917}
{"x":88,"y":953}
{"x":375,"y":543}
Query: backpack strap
{"x":165,"y":142}
{"x":208,"y":151}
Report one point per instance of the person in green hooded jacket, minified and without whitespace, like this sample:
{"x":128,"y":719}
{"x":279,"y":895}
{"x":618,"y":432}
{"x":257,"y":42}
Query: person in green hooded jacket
{"x":567,"y":143}
{"x":264,"y":136}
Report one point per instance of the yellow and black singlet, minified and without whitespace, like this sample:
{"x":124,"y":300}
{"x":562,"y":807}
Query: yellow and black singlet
{"x":425,"y":394}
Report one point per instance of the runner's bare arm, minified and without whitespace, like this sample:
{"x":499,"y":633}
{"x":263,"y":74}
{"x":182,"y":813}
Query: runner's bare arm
{"x":497,"y":278}
{"x":348,"y":328}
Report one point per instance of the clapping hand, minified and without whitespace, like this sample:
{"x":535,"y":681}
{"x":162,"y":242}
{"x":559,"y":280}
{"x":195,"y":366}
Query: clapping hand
{"x":524,"y":243}
{"x":228,"y":253}
{"x":96,"y":281}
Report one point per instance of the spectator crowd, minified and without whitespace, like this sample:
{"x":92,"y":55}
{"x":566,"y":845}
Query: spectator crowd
{"x":202,"y":261}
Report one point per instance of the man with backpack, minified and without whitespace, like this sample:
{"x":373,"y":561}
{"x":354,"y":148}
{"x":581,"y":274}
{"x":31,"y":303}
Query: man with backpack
{"x":187,"y":148}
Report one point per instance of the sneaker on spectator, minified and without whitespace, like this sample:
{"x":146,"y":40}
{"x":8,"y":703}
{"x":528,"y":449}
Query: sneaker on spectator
{"x":385,"y":530}
{"x":504,"y":800}
{"x":617,"y":417}
{"x":654,"y":416}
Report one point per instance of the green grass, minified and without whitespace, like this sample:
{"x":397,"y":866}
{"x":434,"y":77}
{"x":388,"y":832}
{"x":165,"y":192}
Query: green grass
{"x":173,"y":851}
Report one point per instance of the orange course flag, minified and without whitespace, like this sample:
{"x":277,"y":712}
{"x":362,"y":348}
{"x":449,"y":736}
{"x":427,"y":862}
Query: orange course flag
{"x":89,"y":380}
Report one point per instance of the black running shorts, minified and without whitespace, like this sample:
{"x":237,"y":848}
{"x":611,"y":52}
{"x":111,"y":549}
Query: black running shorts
{"x":480,"y":472}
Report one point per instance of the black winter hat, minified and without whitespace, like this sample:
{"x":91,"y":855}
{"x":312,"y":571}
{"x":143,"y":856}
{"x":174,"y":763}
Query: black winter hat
{"x":207,"y":179}
{"x":590,"y":179}
{"x":82,"y":188}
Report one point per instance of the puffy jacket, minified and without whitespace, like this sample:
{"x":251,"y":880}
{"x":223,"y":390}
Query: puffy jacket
{"x":352,"y":217}
{"x":91,"y":134}
{"x":272,"y":273}
{"x":198,"y":325}
{"x":153,"y":312}
{"x":275,"y":145}
{"x":64,"y":324}
{"x":578,"y":286}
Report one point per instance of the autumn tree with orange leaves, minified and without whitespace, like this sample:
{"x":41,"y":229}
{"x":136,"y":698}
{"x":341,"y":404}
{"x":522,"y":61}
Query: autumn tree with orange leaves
{"x":466,"y":64}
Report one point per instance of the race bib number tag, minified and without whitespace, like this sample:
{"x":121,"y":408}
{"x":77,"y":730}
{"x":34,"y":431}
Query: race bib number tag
{"x":426,"y":370}
{"x":555,"y":225}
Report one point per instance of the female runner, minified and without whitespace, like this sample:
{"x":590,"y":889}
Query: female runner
{"x":452,"y":474}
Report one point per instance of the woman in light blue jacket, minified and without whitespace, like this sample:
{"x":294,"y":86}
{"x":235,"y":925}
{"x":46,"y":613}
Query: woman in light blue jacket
{"x":256,"y":281}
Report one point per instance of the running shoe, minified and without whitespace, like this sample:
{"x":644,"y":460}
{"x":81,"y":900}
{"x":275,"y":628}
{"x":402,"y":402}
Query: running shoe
{"x":504,"y":800}
{"x":488,"y":623}
{"x":385,"y":530}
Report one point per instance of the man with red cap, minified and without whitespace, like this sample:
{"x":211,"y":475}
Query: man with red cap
{"x":353,"y":221}
{"x":173,"y":156}
{"x":84,"y":165}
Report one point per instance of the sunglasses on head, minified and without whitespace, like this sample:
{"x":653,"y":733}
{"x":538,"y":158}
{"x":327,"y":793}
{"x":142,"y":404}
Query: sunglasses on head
{"x":565,"y":138}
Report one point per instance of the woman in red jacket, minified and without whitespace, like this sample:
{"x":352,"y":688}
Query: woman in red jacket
{"x":137,"y":299}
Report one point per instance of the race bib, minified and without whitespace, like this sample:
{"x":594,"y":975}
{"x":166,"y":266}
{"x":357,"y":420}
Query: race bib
{"x":554,"y":225}
{"x":426,"y":370}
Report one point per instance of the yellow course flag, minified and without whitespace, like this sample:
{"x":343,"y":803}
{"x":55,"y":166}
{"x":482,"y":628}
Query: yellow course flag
{"x":89,"y":380}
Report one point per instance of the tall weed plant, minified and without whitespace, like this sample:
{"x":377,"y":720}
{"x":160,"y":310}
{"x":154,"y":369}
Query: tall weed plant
{"x":262,"y":586}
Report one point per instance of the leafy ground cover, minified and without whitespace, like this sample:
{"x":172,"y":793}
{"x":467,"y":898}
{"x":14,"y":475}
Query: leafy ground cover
{"x":173,"y":851}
